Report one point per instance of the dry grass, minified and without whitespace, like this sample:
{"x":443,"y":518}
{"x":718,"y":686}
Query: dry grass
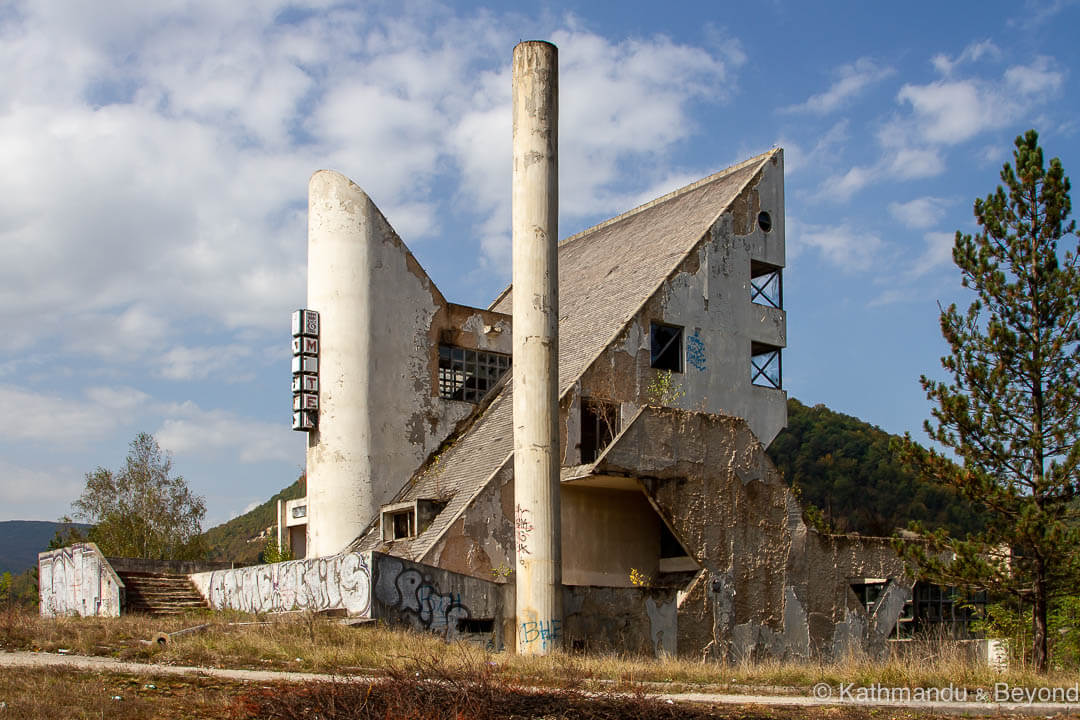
{"x":60,"y":693}
{"x":316,"y":644}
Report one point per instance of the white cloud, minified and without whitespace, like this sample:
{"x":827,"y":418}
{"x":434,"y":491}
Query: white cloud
{"x":187,"y":429}
{"x":920,"y":213}
{"x":972,"y":53}
{"x":840,"y":188}
{"x":841,"y":245}
{"x":60,"y":421}
{"x":952,"y":111}
{"x":1037,"y":78}
{"x":198,"y":363}
{"x":34,"y":493}
{"x":937,"y":253}
{"x":913,"y":163}
{"x":824,"y":151}
{"x":851,"y":80}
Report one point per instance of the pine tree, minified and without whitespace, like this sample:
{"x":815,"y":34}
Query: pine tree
{"x":1011,"y":411}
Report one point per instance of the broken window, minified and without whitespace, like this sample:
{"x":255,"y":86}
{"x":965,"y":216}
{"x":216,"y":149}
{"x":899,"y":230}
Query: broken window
{"x":765,"y":367}
{"x":947,"y":608}
{"x":766,"y":284}
{"x":469,"y":374}
{"x":599,"y":425}
{"x":666,"y":347}
{"x":402,"y":525}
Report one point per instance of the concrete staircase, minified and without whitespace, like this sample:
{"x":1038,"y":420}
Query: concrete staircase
{"x":159,"y":593}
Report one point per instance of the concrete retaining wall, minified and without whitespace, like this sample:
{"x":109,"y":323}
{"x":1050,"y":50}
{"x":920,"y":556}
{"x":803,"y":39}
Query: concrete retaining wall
{"x":337,"y":582}
{"x":440,"y":601}
{"x":78,"y":580}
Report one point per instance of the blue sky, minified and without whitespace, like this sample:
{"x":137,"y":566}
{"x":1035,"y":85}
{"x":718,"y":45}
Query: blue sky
{"x":156,"y":158}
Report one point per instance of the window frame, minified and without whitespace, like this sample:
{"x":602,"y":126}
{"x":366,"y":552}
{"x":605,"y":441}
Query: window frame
{"x":680,"y":351}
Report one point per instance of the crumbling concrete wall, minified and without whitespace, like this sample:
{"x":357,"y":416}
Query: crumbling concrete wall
{"x":770,"y":585}
{"x":382,"y":319}
{"x":709,"y":297}
{"x":78,"y":580}
{"x":437,"y":600}
{"x":605,"y":619}
{"x":337,"y":582}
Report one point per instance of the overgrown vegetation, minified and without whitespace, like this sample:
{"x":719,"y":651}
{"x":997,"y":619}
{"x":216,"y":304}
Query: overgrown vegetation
{"x":850,"y":480}
{"x":313,"y":643}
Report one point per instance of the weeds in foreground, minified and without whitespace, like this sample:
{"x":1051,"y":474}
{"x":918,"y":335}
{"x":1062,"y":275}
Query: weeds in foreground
{"x":315,"y":643}
{"x":429,"y":688}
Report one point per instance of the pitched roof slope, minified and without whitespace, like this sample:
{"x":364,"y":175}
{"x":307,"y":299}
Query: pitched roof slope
{"x":606,"y":274}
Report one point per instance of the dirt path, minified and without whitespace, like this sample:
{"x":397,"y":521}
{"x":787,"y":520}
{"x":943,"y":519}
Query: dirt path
{"x":105,"y":664}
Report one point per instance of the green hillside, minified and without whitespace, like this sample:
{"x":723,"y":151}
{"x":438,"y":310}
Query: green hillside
{"x":839,"y":464}
{"x":238,"y":540}
{"x":844,"y":467}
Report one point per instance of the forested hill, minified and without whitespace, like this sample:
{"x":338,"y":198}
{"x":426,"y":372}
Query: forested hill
{"x":843,"y":466}
{"x":22,"y":540}
{"x":839,"y":463}
{"x":238,"y":540}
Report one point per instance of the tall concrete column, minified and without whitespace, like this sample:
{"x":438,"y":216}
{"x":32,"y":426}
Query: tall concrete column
{"x":536,"y":370}
{"x":341,"y":233}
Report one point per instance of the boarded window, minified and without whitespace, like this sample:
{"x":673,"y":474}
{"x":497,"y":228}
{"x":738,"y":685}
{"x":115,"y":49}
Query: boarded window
{"x":469,"y":374}
{"x":666,"y":347}
{"x":599,"y":425}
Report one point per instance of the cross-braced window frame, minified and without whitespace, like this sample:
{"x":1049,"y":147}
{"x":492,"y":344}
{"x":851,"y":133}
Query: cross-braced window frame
{"x":766,"y":368}
{"x":469,"y":375}
{"x":766,"y":285}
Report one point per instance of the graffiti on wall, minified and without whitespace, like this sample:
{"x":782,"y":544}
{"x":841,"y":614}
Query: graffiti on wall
{"x":523,"y":528}
{"x":695,"y":351}
{"x":419,"y":599}
{"x":545,"y":632}
{"x":77,"y":580}
{"x":330,"y":583}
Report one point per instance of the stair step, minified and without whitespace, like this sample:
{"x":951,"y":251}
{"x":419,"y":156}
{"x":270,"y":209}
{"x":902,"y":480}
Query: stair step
{"x":160,"y":593}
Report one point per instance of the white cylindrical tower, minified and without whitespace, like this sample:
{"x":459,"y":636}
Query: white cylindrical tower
{"x":341,"y":225}
{"x":536,"y":322}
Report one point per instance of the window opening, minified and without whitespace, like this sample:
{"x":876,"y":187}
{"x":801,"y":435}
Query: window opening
{"x":476,"y":625}
{"x":599,"y":425}
{"x":764,"y":221}
{"x":947,"y":608}
{"x":403,"y":523}
{"x":469,"y":374}
{"x":765,"y":365}
{"x":766,"y":285}
{"x":670,"y":547}
{"x":666,"y":343}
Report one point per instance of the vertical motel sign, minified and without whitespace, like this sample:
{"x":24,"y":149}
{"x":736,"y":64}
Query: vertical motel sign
{"x":305,"y":370}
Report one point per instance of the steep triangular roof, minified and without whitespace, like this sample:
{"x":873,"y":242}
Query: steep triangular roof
{"x":606,"y":274}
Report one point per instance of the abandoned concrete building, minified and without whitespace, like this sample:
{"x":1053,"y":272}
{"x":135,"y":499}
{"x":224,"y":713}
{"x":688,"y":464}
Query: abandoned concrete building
{"x":676,"y":530}
{"x":678,"y":535}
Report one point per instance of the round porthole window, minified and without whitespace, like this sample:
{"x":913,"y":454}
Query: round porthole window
{"x":764,"y":221}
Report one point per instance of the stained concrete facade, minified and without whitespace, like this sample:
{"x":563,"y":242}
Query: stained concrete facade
{"x":78,"y":580}
{"x":382,"y":319}
{"x":669,"y":491}
{"x":677,"y":534}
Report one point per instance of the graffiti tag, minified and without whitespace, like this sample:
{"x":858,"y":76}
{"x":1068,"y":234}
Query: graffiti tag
{"x":523,"y":527}
{"x":695,"y":351}
{"x":544,"y":632}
